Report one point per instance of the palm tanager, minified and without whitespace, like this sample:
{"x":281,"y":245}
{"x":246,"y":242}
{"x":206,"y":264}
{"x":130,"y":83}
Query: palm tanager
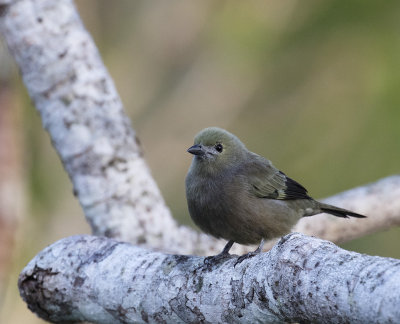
{"x":239,"y":196}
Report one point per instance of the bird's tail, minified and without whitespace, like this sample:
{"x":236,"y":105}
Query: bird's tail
{"x":339,"y":212}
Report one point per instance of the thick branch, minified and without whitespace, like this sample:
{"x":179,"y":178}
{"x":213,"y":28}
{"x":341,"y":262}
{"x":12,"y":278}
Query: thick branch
{"x":302,"y":279}
{"x":84,"y":116}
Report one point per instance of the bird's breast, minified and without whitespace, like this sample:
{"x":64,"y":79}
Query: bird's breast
{"x":208,"y":203}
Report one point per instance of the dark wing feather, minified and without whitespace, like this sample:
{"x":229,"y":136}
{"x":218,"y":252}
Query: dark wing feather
{"x":266,"y":181}
{"x":294,"y":190}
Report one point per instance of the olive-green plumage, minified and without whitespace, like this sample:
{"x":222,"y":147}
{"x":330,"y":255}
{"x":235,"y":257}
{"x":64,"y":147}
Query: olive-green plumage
{"x":240,"y":196}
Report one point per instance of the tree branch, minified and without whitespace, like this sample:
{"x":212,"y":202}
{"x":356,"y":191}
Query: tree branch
{"x":84,"y":116}
{"x":302,"y":279}
{"x":380,"y":201}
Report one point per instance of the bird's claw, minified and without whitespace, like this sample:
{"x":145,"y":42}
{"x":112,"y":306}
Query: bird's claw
{"x":214,"y":259}
{"x":246,"y":256}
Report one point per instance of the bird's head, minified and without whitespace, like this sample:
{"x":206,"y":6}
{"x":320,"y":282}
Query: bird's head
{"x":216,"y":149}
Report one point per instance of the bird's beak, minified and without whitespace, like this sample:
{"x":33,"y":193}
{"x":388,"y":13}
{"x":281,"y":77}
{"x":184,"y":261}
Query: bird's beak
{"x":196,"y":150}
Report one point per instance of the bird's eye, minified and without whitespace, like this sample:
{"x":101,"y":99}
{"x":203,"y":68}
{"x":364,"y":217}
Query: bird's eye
{"x":219,"y":147}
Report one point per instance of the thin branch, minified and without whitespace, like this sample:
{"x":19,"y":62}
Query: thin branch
{"x":302,"y":279}
{"x":380,"y":201}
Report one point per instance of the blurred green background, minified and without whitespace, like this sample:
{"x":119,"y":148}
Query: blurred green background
{"x":313,"y":86}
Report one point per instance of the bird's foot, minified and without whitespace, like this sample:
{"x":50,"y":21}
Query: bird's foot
{"x":246,"y":256}
{"x":215,"y":259}
{"x":250,"y":254}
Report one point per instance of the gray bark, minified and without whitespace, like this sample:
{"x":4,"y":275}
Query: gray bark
{"x":301,"y":279}
{"x":84,"y":116}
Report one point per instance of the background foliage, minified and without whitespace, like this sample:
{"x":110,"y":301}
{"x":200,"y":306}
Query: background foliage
{"x":313,"y":86}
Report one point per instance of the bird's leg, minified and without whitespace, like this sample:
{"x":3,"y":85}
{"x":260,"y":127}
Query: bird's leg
{"x":251,"y":254}
{"x":227,"y":247}
{"x":260,"y":247}
{"x":220,"y":256}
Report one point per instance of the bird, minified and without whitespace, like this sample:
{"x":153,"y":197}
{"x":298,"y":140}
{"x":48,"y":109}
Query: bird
{"x":240,"y":196}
